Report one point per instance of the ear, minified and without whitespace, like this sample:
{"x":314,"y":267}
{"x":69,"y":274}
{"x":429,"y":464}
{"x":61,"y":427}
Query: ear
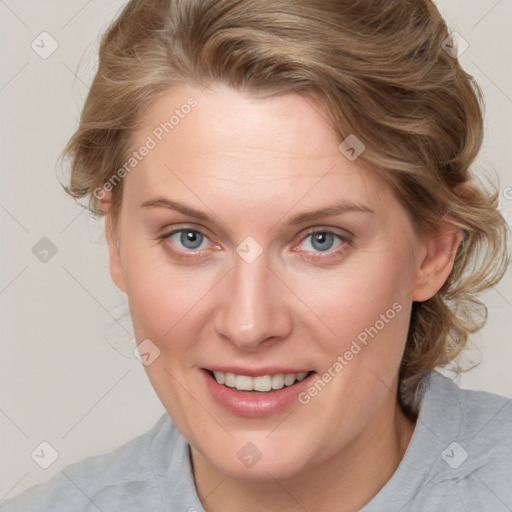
{"x":437,"y":257}
{"x":116,"y":270}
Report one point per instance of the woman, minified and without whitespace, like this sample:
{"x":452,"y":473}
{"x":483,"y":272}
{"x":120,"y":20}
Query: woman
{"x":290,"y":211}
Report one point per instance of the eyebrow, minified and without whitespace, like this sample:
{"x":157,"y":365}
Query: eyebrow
{"x":161,"y":202}
{"x":329,"y":211}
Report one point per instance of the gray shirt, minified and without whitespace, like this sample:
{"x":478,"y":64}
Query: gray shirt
{"x":459,"y":459}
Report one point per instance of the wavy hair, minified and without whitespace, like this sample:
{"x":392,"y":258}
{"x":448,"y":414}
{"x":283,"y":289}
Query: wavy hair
{"x":380,"y":71}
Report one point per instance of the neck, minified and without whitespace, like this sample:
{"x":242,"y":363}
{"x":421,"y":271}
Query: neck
{"x":355,"y":474}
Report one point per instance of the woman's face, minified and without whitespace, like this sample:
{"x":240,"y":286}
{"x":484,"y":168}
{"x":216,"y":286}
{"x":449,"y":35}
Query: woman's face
{"x":252,"y":247}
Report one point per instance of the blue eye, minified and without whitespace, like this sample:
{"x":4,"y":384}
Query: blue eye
{"x":189,"y":239}
{"x":322,"y":241}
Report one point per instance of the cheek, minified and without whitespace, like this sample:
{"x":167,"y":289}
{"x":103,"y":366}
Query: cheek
{"x":163,"y":298}
{"x":366,"y":297}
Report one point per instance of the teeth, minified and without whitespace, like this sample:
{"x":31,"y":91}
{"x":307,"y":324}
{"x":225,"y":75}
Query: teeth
{"x":229,"y":380}
{"x":220,"y":377}
{"x":277,"y":381}
{"x":261,"y":383}
{"x":289,"y":379}
{"x":243,"y":383}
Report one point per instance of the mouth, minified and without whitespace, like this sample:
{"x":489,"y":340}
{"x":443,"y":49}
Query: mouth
{"x":257,"y":384}
{"x":263,"y":393}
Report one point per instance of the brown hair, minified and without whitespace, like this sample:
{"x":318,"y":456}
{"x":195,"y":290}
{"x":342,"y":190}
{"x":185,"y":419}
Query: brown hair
{"x":378,"y":68}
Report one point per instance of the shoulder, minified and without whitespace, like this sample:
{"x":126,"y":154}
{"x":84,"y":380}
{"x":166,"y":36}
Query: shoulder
{"x":459,"y":457}
{"x":479,"y":419}
{"x":124,"y":475}
{"x":474,"y":440}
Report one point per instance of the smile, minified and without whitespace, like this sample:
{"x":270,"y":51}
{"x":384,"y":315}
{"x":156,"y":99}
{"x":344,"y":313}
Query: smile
{"x":264,"y":393}
{"x":262,"y":383}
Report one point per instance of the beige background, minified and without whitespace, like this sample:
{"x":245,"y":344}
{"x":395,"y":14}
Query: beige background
{"x":67,"y":373}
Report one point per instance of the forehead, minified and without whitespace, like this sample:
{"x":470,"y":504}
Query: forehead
{"x":226,"y":121}
{"x":224,"y":143}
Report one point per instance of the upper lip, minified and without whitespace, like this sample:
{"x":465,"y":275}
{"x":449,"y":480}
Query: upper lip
{"x":256,"y":372}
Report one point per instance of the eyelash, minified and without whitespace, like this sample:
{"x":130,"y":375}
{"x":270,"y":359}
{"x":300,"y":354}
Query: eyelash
{"x":185,"y":255}
{"x":319,"y":255}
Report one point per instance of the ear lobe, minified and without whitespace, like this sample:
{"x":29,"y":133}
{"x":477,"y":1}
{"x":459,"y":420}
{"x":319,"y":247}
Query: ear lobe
{"x":439,"y":256}
{"x":115,"y":266}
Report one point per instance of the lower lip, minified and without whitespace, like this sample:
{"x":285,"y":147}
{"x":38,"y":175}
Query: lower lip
{"x":254,"y":404}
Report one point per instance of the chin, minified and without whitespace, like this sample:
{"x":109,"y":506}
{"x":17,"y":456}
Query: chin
{"x":260,"y":459}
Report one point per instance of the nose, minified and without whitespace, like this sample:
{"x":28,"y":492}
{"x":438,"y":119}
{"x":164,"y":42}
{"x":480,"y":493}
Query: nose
{"x":252,"y":306}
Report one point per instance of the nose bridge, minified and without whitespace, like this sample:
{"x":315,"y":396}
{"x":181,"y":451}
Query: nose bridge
{"x":252,"y":310}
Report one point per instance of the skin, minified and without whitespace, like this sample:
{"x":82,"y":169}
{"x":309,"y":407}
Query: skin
{"x":251,"y":165}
